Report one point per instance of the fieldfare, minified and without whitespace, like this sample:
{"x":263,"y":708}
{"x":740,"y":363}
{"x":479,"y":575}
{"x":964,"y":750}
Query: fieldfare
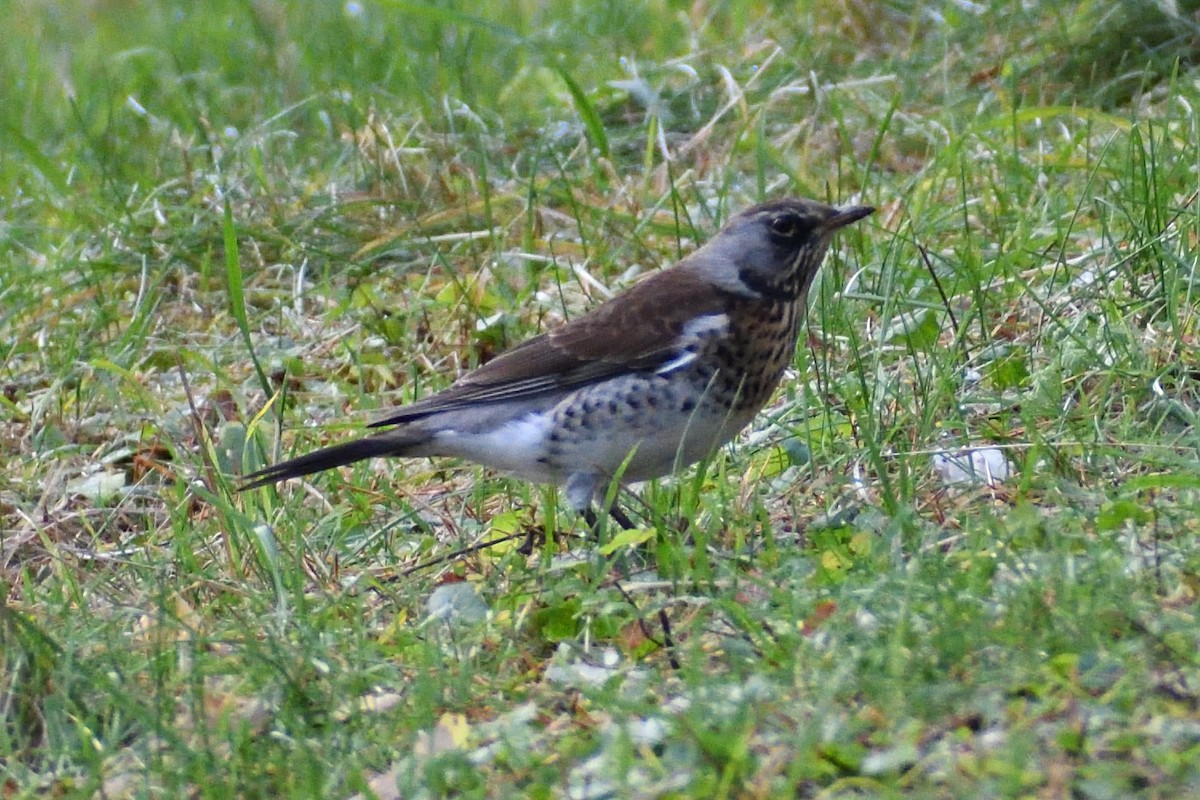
{"x":651,"y":381}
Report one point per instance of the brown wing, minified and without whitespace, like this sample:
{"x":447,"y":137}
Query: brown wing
{"x":635,"y":332}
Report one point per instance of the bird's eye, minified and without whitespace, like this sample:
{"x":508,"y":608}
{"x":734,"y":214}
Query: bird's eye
{"x":785,"y":225}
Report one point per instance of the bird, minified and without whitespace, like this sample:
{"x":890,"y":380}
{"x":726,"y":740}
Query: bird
{"x":651,"y":381}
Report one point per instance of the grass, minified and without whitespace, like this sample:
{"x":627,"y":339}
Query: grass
{"x":238,"y":231}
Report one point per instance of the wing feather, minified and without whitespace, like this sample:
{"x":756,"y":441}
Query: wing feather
{"x":638,"y":332}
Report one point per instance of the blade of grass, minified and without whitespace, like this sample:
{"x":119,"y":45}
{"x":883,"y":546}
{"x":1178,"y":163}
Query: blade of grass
{"x":587,"y":112}
{"x":237,"y":296}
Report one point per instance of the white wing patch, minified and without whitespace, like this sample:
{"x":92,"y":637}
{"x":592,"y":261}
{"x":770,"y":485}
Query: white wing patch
{"x":691,"y":340}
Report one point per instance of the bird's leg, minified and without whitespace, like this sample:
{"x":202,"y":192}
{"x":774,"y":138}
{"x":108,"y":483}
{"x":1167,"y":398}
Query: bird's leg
{"x":615,"y":514}
{"x":620,"y":517}
{"x":593,"y":521}
{"x":582,"y":489}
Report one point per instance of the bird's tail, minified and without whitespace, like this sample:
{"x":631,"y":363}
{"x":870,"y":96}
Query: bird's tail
{"x":386,"y":444}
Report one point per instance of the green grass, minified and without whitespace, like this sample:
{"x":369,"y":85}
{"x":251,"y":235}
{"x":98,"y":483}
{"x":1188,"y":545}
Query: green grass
{"x":235,"y":231}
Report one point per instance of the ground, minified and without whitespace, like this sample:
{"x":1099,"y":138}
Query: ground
{"x":956,"y":557}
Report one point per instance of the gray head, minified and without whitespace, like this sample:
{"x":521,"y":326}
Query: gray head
{"x":773,"y":250}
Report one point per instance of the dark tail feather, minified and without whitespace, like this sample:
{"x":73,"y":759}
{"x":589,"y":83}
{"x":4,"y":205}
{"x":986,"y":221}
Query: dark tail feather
{"x":328,"y":458}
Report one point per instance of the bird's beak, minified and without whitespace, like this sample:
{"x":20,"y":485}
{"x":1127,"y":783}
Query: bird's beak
{"x":844,"y":216}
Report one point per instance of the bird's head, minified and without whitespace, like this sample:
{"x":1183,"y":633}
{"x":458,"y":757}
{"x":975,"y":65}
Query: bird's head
{"x":773,"y":250}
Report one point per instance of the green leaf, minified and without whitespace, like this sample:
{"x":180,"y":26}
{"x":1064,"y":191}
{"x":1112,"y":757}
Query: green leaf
{"x":1010,"y":372}
{"x":627,"y":538}
{"x":1162,"y":480}
{"x":1116,"y":513}
{"x":771,"y":463}
{"x":558,"y":623}
{"x":587,"y":113}
{"x":919,"y":328}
